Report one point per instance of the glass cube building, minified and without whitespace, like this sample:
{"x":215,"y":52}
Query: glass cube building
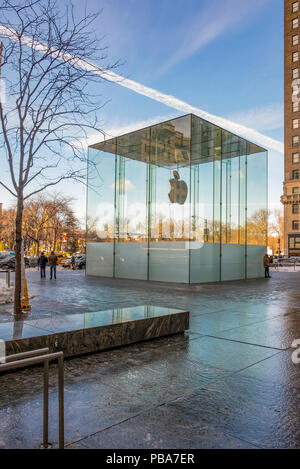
{"x":181,"y":201}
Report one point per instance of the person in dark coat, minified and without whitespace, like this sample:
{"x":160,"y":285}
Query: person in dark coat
{"x":53,"y":264}
{"x":42,"y":262}
{"x":267,"y":266}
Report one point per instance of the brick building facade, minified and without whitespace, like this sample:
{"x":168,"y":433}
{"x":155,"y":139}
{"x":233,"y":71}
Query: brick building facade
{"x":291,"y":185}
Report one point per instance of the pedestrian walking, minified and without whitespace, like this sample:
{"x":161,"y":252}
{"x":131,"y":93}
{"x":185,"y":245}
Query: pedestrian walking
{"x":72,"y":262}
{"x":42,"y":262}
{"x":267,"y":266}
{"x":53,"y":264}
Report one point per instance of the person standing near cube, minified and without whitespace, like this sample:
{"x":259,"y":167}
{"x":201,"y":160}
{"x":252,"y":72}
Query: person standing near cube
{"x":53,"y":264}
{"x":42,"y":262}
{"x":267,"y":266}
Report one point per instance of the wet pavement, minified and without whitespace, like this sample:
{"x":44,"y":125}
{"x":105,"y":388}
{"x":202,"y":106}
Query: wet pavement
{"x":229,"y":382}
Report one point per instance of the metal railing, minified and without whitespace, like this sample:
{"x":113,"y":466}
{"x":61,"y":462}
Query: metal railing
{"x":34,"y":357}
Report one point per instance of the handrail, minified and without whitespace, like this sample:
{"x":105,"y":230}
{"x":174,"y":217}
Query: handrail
{"x":24,"y":359}
{"x":31,"y":353}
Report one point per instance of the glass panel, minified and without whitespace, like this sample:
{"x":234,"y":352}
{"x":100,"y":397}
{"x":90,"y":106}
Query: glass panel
{"x":226,"y":200}
{"x":131,"y":248}
{"x":169,"y":197}
{"x":243,"y":194}
{"x":206,"y":186}
{"x":217,"y":186}
{"x":182,"y":201}
{"x":233,"y":245}
{"x":100,"y":210}
{"x":257,"y":213}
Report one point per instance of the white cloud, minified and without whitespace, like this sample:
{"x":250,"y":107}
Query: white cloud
{"x":214,"y":19}
{"x":264,"y":118}
{"x":168,"y":100}
{"x":123,"y":184}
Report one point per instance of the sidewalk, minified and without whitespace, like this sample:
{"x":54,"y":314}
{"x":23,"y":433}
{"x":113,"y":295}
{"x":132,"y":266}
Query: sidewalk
{"x":228,"y":383}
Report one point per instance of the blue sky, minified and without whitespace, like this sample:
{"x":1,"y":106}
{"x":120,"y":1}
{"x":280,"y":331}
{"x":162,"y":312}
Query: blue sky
{"x":222,"y":56}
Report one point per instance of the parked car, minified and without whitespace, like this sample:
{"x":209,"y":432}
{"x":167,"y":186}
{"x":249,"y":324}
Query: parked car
{"x":33,"y":261}
{"x":80,"y":262}
{"x":61,"y":257}
{"x":287,"y":261}
{"x":66,"y":263}
{"x":4,"y":254}
{"x":9,"y":263}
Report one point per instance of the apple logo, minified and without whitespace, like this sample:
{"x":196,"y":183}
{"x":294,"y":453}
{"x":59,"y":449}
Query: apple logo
{"x":179,"y":190}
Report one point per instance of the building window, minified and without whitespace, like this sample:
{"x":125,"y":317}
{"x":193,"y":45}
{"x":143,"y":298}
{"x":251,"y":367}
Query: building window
{"x":295,"y":190}
{"x":295,"y":123}
{"x":295,"y":208}
{"x":294,"y":242}
{"x":295,"y":174}
{"x":295,"y":56}
{"x":295,"y":225}
{"x":295,"y":141}
{"x":295,"y":107}
{"x":295,"y":72}
{"x":295,"y":7}
{"x":295,"y":23}
{"x":295,"y":157}
{"x":295,"y":40}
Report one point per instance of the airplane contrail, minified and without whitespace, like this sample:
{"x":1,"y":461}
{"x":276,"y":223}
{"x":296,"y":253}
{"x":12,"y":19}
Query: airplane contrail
{"x":168,"y":100}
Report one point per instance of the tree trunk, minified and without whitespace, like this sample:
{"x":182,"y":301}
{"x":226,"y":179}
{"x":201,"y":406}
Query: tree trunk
{"x":54,"y":239}
{"x":18,"y":258}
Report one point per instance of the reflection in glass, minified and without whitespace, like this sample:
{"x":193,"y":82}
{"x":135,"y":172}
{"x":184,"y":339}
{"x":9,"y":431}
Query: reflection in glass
{"x":181,"y":201}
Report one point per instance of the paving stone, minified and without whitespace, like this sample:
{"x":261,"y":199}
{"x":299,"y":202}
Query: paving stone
{"x":278,"y":332}
{"x":278,"y":369}
{"x":190,"y":390}
{"x":161,"y":429}
{"x":225,"y":354}
{"x":90,"y":406}
{"x":244,"y":407}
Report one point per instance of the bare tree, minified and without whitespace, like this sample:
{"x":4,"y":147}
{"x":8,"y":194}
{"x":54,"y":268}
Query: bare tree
{"x":257,"y":227}
{"x":42,"y":215}
{"x":49,"y":105}
{"x":276,"y":229}
{"x":7,"y":229}
{"x":47,"y":219}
